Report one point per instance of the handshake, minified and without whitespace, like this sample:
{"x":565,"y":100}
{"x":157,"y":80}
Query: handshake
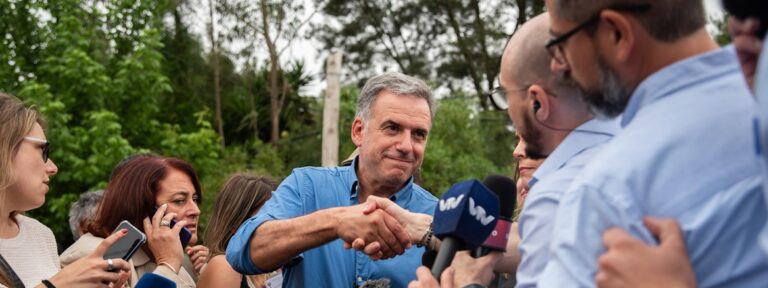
{"x":382,"y":229}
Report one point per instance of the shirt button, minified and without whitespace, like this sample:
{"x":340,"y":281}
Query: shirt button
{"x":359,"y":279}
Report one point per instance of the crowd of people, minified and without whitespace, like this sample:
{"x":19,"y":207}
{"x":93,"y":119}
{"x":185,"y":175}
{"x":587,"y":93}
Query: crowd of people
{"x":641,"y":163}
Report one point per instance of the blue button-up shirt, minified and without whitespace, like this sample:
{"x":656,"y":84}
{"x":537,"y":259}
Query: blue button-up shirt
{"x":311,"y":189}
{"x":761,"y":93}
{"x":686,"y":151}
{"x":548,"y":184}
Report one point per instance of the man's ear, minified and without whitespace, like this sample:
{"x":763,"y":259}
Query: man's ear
{"x":357,"y":131}
{"x":621,"y":36}
{"x":541,"y":105}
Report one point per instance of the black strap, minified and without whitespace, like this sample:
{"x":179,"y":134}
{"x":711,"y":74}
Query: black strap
{"x":48,"y":284}
{"x":8,"y":271}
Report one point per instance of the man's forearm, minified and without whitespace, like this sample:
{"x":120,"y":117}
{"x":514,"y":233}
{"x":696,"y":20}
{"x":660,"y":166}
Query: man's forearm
{"x":276,"y":242}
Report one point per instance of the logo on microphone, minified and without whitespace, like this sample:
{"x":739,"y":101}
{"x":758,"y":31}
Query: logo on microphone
{"x":451,"y":203}
{"x":479,"y":212}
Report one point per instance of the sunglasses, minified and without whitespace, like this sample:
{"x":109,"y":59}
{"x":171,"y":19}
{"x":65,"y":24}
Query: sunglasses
{"x":45,"y":145}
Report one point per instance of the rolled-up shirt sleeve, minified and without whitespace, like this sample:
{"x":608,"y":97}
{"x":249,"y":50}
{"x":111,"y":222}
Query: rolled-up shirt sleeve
{"x":286,"y":203}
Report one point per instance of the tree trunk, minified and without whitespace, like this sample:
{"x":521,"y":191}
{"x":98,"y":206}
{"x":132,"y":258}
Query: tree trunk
{"x":330,"y":155}
{"x":216,"y":76}
{"x":275,"y":97}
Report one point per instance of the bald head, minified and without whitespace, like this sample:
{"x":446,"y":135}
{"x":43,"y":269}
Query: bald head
{"x":525,"y":60}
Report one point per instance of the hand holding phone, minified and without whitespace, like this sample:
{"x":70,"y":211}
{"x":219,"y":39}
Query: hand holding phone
{"x":184,"y":234}
{"x":126,"y":246}
{"x":164,"y":241}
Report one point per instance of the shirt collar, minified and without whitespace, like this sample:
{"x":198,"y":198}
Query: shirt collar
{"x":679,"y":75}
{"x":353,"y":183}
{"x":587,"y":135}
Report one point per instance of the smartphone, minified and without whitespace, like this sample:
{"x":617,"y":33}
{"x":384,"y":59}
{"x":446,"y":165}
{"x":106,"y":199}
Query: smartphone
{"x":125,"y":247}
{"x":184,"y":234}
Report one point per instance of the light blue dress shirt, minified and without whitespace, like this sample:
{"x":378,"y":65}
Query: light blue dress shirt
{"x":761,"y":93}
{"x":310,"y":189}
{"x":686,"y":151}
{"x":548,"y":184}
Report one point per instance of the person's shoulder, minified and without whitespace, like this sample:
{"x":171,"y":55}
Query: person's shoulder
{"x":33,"y":226}
{"x":84,"y":246}
{"x":423,"y":194}
{"x":218,"y":273}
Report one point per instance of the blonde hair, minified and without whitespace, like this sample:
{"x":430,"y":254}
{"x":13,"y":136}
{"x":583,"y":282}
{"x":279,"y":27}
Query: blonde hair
{"x":16,"y":121}
{"x":239,"y":199}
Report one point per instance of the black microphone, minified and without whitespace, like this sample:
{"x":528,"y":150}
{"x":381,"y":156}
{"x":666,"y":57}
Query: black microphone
{"x":506,"y":189}
{"x":428,"y":258}
{"x":464,"y":217}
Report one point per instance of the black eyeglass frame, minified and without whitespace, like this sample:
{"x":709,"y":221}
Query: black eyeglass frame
{"x":501,"y":104}
{"x":555,"y":42}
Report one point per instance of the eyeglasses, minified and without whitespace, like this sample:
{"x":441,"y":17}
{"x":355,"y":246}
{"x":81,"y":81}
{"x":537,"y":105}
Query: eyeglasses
{"x":498,"y":97}
{"x":555,"y":45}
{"x":44,"y":144}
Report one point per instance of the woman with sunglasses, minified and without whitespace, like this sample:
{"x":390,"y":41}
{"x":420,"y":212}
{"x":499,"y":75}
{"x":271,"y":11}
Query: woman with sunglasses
{"x":28,"y":255}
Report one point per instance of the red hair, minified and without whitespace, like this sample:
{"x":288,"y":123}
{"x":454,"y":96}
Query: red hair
{"x":130,"y":194}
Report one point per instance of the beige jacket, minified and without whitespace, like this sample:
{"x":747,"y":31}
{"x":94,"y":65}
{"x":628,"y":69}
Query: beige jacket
{"x":140,"y":262}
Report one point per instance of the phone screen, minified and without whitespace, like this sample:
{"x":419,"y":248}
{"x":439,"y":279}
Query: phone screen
{"x":184,"y":234}
{"x":125,"y":247}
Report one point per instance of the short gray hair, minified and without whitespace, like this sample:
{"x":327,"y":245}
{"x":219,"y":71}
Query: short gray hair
{"x":83,"y":210}
{"x":395,"y":83}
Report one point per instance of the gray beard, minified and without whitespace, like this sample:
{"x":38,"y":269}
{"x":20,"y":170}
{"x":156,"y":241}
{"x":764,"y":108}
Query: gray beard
{"x":613,"y":97}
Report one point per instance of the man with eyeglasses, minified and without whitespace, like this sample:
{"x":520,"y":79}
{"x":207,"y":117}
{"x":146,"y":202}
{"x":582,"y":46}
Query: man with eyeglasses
{"x":687,"y":148}
{"x":550,"y":114}
{"x":555,"y":121}
{"x":631,"y":263}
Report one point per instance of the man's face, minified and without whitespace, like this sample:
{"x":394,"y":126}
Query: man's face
{"x":577,"y":52}
{"x":393,"y":140}
{"x":519,"y":111}
{"x":748,"y":45}
{"x":523,"y":120}
{"x":612,"y":98}
{"x":583,"y":64}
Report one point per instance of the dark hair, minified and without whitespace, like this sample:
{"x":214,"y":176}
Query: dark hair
{"x":667,"y":20}
{"x":240,"y":197}
{"x":130,"y":194}
{"x":744,"y":9}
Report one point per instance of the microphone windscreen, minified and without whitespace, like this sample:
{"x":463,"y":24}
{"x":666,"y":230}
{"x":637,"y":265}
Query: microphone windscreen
{"x":506,"y":189}
{"x":152,"y":280}
{"x":468,"y":211}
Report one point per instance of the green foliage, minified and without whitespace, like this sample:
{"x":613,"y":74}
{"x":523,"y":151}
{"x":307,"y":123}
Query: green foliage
{"x":721,"y":35}
{"x":122,"y":77}
{"x":457,"y":147}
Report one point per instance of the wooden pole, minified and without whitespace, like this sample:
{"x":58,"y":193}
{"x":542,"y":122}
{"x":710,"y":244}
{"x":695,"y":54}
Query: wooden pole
{"x":331,"y":110}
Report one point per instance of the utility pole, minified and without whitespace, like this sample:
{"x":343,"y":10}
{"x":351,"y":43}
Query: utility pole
{"x":331,"y":110}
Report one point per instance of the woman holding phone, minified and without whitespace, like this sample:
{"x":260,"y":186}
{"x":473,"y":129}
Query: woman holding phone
{"x":28,"y":253}
{"x":150,"y":192}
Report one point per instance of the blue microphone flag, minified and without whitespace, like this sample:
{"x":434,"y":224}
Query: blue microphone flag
{"x":467,"y":211}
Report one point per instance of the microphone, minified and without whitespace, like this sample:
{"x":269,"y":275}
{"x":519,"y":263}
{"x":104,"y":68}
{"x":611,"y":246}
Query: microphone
{"x":506,"y":189}
{"x":464,"y":217}
{"x":152,"y":280}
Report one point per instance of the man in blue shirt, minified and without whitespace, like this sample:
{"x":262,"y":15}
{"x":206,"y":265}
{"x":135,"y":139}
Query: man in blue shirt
{"x":304,"y":226}
{"x":687,"y":148}
{"x":552,"y":117}
{"x":631,"y":263}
